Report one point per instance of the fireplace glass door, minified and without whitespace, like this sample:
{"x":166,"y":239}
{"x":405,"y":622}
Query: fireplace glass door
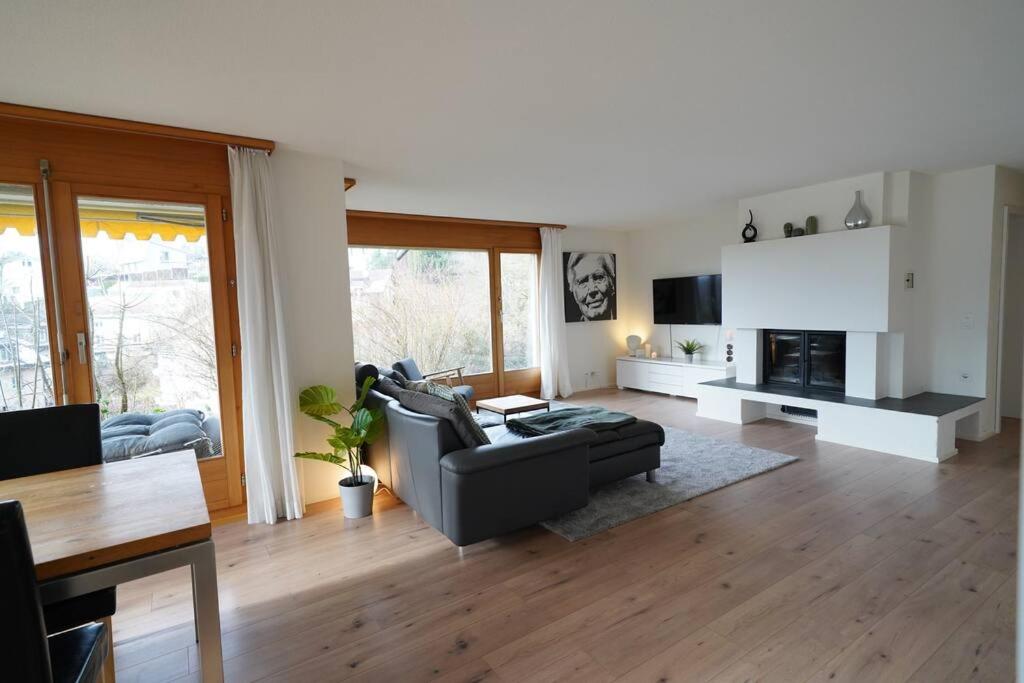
{"x":811,"y":359}
{"x":784,"y":357}
{"x":826,"y":360}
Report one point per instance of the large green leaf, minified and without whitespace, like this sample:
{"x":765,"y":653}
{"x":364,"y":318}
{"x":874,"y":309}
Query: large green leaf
{"x":363,"y":392}
{"x":324,"y":457}
{"x":319,"y":401}
{"x":370,"y":422}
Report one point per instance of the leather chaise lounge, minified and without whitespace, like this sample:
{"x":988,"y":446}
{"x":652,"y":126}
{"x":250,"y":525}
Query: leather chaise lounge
{"x":471,"y":494}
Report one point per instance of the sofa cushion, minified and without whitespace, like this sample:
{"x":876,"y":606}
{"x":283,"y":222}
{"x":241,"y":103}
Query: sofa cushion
{"x":465,"y":414}
{"x":614,"y":442}
{"x":388,"y":387}
{"x":446,"y":410}
{"x":134,"y":434}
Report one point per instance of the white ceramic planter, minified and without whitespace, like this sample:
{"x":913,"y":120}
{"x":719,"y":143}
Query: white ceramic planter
{"x":357,"y":501}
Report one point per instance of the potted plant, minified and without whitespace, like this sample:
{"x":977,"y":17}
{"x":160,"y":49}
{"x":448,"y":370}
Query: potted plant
{"x":689,"y":347}
{"x":321,"y":403}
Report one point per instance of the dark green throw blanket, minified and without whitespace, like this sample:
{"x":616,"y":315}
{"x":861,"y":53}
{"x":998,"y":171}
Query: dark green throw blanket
{"x":591,"y":417}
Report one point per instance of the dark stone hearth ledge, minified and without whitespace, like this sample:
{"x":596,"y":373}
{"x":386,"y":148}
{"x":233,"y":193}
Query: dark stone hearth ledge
{"x":926,"y":403}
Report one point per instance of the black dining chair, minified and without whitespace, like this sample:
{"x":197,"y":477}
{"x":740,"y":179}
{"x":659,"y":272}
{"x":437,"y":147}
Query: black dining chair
{"x":26,"y":652}
{"x":49,"y":440}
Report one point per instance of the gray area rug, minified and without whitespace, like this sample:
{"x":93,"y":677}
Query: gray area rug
{"x":691,"y":465}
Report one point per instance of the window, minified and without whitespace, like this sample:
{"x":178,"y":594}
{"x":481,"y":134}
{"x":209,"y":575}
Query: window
{"x":432,"y":305}
{"x":26,"y":372}
{"x":448,"y":292}
{"x":519,"y":310}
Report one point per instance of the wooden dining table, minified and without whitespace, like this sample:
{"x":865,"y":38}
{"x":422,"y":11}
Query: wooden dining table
{"x":103,"y":525}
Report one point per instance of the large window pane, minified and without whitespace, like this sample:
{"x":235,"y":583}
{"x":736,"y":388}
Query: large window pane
{"x":26,"y":375}
{"x":150,"y":308}
{"x":519,"y":310}
{"x":432,"y":305}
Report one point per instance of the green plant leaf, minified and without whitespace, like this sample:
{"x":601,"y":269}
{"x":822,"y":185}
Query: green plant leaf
{"x":376,"y":426}
{"x":323,"y":457}
{"x":363,"y":392}
{"x":319,"y":401}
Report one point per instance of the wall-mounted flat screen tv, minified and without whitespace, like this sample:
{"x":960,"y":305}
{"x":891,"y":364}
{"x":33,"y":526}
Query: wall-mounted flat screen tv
{"x":695,"y":300}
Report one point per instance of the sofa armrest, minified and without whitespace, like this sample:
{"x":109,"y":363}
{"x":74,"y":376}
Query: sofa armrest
{"x":492,"y":490}
{"x":480,"y":458}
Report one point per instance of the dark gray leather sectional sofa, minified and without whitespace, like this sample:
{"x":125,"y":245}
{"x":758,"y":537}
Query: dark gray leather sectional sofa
{"x":472,"y":494}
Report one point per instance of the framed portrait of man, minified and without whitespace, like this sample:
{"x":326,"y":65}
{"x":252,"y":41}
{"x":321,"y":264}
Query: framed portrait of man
{"x":589,"y":286}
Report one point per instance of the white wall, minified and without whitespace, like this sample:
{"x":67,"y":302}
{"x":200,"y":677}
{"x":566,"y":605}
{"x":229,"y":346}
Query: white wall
{"x":310,"y":215}
{"x":693,"y":247}
{"x":833,"y":281}
{"x":593,"y":346}
{"x":1013,"y":321}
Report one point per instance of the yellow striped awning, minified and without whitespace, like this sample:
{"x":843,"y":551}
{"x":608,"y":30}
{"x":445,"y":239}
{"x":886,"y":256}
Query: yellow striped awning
{"x":116,"y":224}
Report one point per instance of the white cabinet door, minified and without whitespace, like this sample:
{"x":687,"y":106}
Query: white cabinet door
{"x":630,"y":374}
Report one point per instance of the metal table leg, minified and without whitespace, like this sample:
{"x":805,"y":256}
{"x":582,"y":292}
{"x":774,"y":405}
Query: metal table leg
{"x":200,"y":557}
{"x":207,"y":610}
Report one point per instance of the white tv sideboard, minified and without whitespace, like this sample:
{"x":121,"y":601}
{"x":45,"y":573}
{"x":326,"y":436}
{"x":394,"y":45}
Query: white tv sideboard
{"x":672,"y":376}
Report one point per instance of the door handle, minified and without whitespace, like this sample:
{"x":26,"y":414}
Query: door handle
{"x":81,"y":349}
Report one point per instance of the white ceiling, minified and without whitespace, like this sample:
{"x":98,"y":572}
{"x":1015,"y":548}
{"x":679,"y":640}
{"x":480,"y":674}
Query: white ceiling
{"x":592,"y":113}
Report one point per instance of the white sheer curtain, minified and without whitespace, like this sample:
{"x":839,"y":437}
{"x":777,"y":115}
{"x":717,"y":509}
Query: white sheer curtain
{"x":271,"y":481}
{"x":554,"y":359}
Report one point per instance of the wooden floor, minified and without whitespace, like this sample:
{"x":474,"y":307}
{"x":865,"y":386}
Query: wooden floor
{"x":846,"y":565}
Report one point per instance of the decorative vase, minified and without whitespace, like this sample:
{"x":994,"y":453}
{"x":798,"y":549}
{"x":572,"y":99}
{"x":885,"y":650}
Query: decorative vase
{"x":859,"y":216}
{"x":688,"y":357}
{"x":787,"y":229}
{"x":357,"y":499}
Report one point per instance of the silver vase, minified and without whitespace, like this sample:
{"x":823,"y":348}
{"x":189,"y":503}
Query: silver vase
{"x":859,"y":216}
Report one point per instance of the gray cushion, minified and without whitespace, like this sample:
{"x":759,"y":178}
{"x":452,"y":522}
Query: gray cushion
{"x":408,"y":368}
{"x":133,"y":434}
{"x":446,"y":410}
{"x":388,"y":387}
{"x":465,"y":414}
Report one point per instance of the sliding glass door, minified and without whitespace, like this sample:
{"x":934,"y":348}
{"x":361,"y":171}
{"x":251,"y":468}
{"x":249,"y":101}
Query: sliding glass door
{"x":142,"y":282}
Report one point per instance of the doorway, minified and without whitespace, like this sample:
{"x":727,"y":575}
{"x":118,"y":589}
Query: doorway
{"x":137,"y":290}
{"x":1011,"y":321}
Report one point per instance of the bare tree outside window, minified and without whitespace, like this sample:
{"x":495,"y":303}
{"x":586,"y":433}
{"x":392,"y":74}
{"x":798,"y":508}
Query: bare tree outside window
{"x":429,"y":304}
{"x":26,"y":379}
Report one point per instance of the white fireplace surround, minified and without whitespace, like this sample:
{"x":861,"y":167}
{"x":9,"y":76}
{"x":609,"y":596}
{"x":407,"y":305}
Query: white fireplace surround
{"x":845,"y":281}
{"x":850,"y":281}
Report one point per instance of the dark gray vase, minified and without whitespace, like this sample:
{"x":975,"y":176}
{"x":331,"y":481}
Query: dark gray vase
{"x":859,"y":216}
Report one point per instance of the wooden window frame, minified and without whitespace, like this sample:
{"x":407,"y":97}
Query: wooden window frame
{"x":99,"y":156}
{"x":413,"y":231}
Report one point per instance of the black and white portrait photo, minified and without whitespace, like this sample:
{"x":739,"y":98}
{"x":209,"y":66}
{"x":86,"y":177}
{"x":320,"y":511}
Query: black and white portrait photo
{"x":589,"y":286}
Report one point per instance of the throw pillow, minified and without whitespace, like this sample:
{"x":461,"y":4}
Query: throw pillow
{"x":447,"y":410}
{"x":419,"y":385}
{"x":465,"y":414}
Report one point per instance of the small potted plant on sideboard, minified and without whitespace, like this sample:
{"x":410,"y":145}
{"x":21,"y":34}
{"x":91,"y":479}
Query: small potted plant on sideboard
{"x":690,"y":347}
{"x":320,"y":402}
